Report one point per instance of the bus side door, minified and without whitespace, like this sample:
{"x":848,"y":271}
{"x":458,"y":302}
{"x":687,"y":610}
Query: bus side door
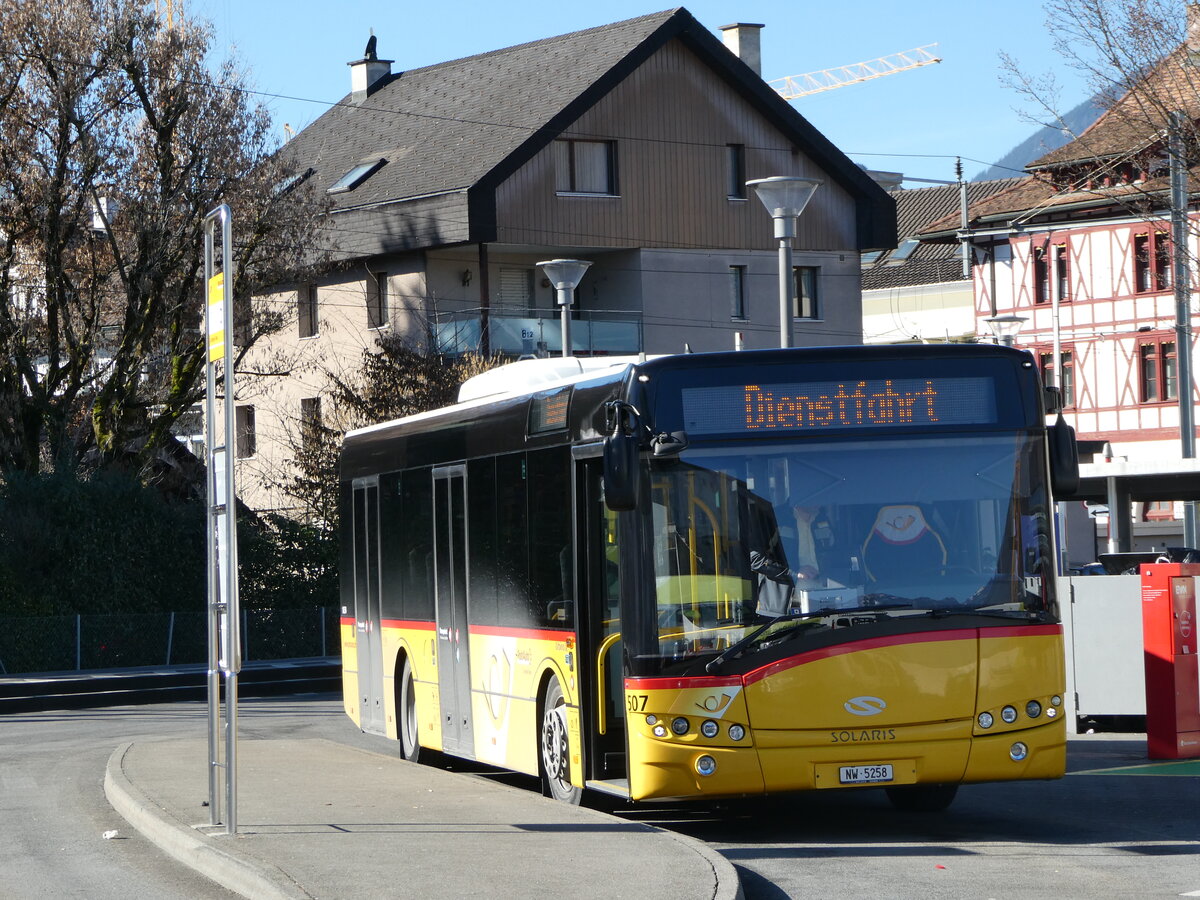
{"x":600,"y":628}
{"x":450,"y":570}
{"x":367,"y":611}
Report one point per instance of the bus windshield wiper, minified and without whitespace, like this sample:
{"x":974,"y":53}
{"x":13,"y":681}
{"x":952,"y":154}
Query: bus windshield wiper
{"x":714,"y":664}
{"x":836,"y":610}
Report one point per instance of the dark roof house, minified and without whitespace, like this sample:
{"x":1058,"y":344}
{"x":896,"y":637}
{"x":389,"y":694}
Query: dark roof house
{"x":440,"y":146}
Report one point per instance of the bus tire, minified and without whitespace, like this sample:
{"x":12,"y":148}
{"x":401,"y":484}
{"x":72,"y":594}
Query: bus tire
{"x":554,"y":747}
{"x":406,"y":715}
{"x":922,"y":797}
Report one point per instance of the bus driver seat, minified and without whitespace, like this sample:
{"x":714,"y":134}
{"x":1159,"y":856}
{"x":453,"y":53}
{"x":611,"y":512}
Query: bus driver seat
{"x":902,"y":541}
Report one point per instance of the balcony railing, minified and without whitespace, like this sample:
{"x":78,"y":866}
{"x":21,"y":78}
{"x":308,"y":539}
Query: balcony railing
{"x":536,"y":332}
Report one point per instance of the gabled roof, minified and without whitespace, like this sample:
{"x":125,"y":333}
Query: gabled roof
{"x":1137,"y":119}
{"x":466,"y":125}
{"x":915,"y":209}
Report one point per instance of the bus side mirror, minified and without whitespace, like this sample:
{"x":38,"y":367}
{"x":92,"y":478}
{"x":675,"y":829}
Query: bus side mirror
{"x":622,"y":457}
{"x":622,"y":471}
{"x":1064,"y":459}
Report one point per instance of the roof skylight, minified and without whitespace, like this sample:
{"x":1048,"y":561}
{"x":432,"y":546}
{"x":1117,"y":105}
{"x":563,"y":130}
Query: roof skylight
{"x":904,"y":251}
{"x":356,"y":176}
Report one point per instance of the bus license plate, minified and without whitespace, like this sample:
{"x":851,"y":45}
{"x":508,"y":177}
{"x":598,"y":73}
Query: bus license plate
{"x":865,"y":774}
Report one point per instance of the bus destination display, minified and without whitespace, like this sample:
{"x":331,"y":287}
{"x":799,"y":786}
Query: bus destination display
{"x":837,"y":405}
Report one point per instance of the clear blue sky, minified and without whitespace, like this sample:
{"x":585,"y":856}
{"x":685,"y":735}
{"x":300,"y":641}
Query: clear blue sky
{"x":913,"y":122}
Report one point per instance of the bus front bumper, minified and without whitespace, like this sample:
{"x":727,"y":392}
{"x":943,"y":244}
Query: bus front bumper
{"x":782,"y":761}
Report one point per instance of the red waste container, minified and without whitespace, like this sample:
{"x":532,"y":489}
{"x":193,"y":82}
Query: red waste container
{"x":1169,"y":642}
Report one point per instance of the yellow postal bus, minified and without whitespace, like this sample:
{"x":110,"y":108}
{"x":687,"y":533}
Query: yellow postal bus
{"x":717,"y":575}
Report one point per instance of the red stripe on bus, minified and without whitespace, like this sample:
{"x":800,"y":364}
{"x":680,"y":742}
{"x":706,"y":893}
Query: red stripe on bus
{"x":1006,"y":631}
{"x":958,"y":634}
{"x":407,"y":623}
{"x":537,"y":634}
{"x":699,"y":681}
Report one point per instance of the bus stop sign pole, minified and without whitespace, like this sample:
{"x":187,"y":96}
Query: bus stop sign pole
{"x":224,"y":638}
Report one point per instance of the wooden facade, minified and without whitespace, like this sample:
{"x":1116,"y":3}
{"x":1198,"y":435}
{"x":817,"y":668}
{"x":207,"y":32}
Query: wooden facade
{"x":672,"y":121}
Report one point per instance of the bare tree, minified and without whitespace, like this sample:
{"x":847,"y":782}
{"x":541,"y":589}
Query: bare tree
{"x":1139,"y":60}
{"x":118,"y":138}
{"x":397,"y":377}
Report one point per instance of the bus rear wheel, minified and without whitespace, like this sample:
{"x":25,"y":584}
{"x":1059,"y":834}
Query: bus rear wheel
{"x":555,"y":746}
{"x":410,"y":747}
{"x":922,"y":797}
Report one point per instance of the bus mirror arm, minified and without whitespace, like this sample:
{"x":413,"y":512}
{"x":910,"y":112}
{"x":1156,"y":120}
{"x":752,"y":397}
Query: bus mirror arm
{"x":622,"y":457}
{"x":672,"y":444}
{"x":1064,"y":459}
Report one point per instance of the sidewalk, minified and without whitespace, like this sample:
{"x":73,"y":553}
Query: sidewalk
{"x":318,"y":819}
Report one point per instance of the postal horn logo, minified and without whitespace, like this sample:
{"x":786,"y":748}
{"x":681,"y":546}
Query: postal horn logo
{"x":865,"y":706}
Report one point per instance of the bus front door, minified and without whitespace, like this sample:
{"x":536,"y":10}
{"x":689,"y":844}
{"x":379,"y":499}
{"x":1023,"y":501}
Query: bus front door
{"x":602,"y":629}
{"x":450,"y":566}
{"x":367,"y":605}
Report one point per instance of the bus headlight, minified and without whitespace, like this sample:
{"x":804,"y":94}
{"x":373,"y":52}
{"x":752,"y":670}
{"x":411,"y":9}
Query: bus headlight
{"x":986,"y":720}
{"x":1009,"y":714}
{"x":710,"y":728}
{"x":651,"y":719}
{"x":1018,"y":751}
{"x":660,"y":730}
{"x":1033,"y":709}
{"x":1056,"y":700}
{"x":706,"y":765}
{"x":679,"y":725}
{"x":736,"y":732}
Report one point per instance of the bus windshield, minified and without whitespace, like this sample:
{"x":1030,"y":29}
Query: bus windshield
{"x":930,"y":525}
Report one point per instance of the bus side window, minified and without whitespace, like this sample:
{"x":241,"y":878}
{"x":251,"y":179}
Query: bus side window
{"x":551,"y":561}
{"x":416,"y":528}
{"x":481,"y":540}
{"x":512,"y":544}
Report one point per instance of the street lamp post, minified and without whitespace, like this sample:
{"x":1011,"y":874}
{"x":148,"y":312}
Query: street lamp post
{"x":785,"y":197}
{"x":565,"y":275}
{"x":1006,"y":328}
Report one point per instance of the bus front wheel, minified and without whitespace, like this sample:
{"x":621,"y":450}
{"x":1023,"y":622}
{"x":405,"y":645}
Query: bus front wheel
{"x":410,"y":747}
{"x":922,"y":797}
{"x":555,"y":744}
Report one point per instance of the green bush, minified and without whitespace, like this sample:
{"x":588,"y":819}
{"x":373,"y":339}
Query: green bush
{"x":108,"y":544}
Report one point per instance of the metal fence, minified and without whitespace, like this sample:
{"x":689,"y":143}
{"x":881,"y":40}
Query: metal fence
{"x":81,"y":642}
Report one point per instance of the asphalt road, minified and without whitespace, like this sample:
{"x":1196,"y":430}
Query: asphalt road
{"x":1119,"y":833}
{"x":1132,"y":832}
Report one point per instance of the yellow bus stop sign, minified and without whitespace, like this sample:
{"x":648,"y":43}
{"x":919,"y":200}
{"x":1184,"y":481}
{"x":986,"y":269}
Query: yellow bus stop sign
{"x":216,"y":317}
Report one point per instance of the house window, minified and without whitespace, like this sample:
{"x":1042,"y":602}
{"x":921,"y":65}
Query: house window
{"x":737,"y":292}
{"x":735,"y":166}
{"x":243,"y":321}
{"x":1158,"y":376}
{"x":306,"y":310}
{"x":377,"y":299}
{"x":310,"y":420}
{"x":246,"y":444}
{"x":807,"y":299}
{"x":1066,"y":373}
{"x":516,"y":290}
{"x":1041,"y":276}
{"x":585,"y":167}
{"x":1051,"y":262}
{"x":1062,"y":275}
{"x":1151,"y":262}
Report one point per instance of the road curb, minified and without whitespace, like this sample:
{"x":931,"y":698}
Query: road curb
{"x":180,"y":841}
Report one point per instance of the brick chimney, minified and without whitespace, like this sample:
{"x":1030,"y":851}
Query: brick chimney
{"x":366,"y":74}
{"x":742,"y":39}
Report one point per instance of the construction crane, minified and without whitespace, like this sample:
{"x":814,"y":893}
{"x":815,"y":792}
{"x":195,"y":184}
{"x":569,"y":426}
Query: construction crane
{"x":828,"y":79}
